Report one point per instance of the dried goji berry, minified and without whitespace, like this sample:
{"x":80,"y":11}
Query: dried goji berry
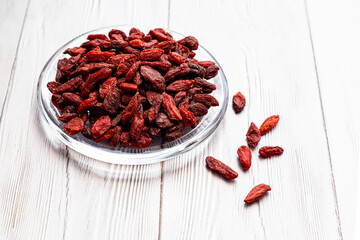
{"x":269,"y":123}
{"x":93,"y":79}
{"x":131,"y":109}
{"x":126,"y":98}
{"x":136,"y":43}
{"x":268,"y":151}
{"x":206,"y":86}
{"x":74,"y":126}
{"x":125,"y":139}
{"x":109,"y":134}
{"x":72,"y":98}
{"x":179,"y":71}
{"x":75,"y":51}
{"x":156,"y":104}
{"x":97,"y":36}
{"x":94,"y":56}
{"x":179,"y":97}
{"x":184,"y":103}
{"x":70,"y":85}
{"x":196,"y":70}
{"x":129,"y":87}
{"x":68,"y":109}
{"x":152,"y":97}
{"x":101,"y":126}
{"x":135,"y":33}
{"x":58,"y":101}
{"x":142,"y":142}
{"x":116,"y":120}
{"x":180,"y":85}
{"x":65,"y":117}
{"x":124,"y":62}
{"x":162,"y":121}
{"x":131,"y":73}
{"x":211,"y":71}
{"x":150,"y":44}
{"x":156,"y":64}
{"x":84,"y":116}
{"x":176,"y":58}
{"x":137,"y":126}
{"x":137,"y":78}
{"x":86,"y":132}
{"x":116,"y":138}
{"x":154,"y":132}
{"x":238,"y":102}
{"x":112,"y":100}
{"x":257,"y":192}
{"x":170,"y":107}
{"x":52,"y":86}
{"x":198,"y":109}
{"x":245,"y":156}
{"x":221,"y":168}
{"x":192,"y":91}
{"x":206,"y":99}
{"x":131,"y":50}
{"x":206,"y":64}
{"x":69,"y":64}
{"x":182,"y":50}
{"x":167,"y":46}
{"x":188,"y":117}
{"x":153,"y":77}
{"x":86,"y":105}
{"x":253,"y":135}
{"x":159,"y":35}
{"x":107,"y":86}
{"x":150,"y":54}
{"x":117,"y":32}
{"x":190,"y":42}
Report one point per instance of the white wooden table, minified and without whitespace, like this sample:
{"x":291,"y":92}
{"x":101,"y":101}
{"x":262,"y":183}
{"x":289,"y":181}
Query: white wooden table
{"x":299,"y":59}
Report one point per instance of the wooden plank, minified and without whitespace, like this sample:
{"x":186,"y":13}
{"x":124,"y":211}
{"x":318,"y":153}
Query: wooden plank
{"x":48,"y":191}
{"x":335,"y":38}
{"x":12,"y":15}
{"x":265,"y":51}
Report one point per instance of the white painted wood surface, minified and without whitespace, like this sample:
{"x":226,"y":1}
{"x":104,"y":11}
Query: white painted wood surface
{"x":298,"y":59}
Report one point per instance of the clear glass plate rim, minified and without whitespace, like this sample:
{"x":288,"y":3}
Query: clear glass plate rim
{"x":128,"y":158}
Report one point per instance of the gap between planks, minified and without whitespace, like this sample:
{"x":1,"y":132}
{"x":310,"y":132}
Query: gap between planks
{"x":324,"y":124}
{"x":67,"y":190}
{"x":162,"y":163}
{"x":161,"y":197}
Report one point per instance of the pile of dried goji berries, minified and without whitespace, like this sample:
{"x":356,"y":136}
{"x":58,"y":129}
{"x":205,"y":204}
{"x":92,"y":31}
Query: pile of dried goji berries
{"x":131,"y":89}
{"x":253,"y":137}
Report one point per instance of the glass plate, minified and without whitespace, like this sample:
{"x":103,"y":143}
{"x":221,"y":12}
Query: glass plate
{"x":157,"y":151}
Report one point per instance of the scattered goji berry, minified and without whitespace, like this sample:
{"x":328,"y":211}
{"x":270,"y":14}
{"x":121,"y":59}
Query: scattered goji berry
{"x":239,"y":102}
{"x":245,"y":156}
{"x":269,"y":123}
{"x":253,"y":135}
{"x":257,"y":192}
{"x":268,"y":151}
{"x":220,"y":167}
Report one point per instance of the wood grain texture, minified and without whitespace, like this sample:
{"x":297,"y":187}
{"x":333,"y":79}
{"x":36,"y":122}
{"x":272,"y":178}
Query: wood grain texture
{"x":298,"y":59}
{"x":46,"y":193}
{"x":265,"y":50}
{"x":332,"y":25}
{"x":12,"y":14}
